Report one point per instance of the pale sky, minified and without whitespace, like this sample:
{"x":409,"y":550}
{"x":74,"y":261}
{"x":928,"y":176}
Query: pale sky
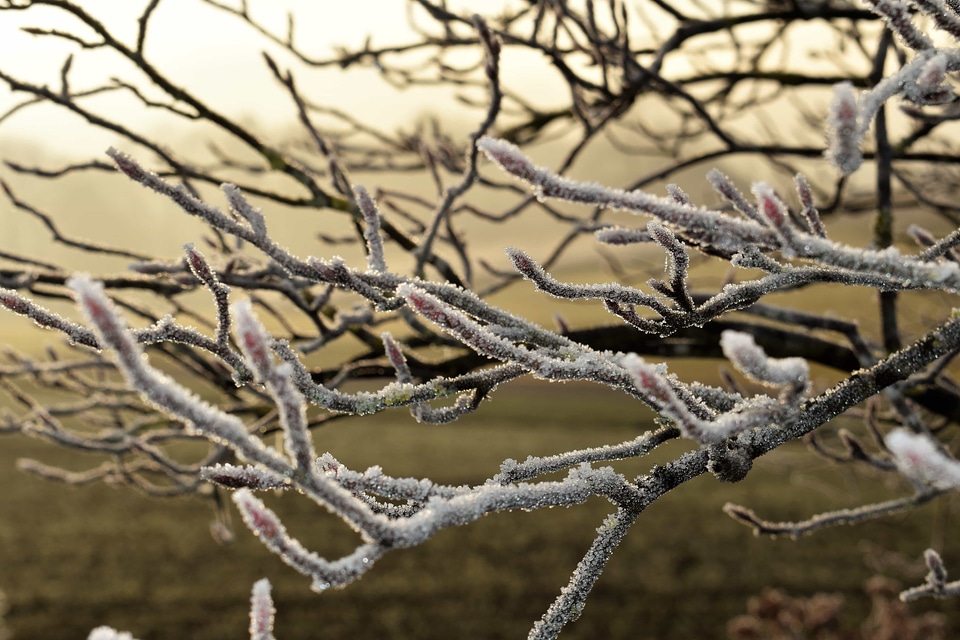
{"x":213,"y":55}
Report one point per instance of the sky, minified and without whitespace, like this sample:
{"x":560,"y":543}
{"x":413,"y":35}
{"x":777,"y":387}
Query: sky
{"x":214,"y":55}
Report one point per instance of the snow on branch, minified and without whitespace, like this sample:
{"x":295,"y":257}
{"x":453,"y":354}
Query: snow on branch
{"x":324,"y":479}
{"x":746,"y":239}
{"x":392,"y":513}
{"x":754,"y":230}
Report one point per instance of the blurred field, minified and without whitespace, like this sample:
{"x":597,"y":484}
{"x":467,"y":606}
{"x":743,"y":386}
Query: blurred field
{"x":75,"y":558}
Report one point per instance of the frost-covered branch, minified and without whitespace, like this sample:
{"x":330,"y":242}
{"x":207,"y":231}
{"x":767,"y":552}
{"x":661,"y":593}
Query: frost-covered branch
{"x":410,"y":297}
{"x":936,"y":585}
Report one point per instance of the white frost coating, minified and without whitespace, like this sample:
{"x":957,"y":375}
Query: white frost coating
{"x":657,"y":388}
{"x":919,"y":458}
{"x":371,"y":230}
{"x":13,"y":301}
{"x":240,"y":205}
{"x":710,"y":227}
{"x":579,"y":363}
{"x":262,"y":611}
{"x":724,"y":233}
{"x":324,"y":573}
{"x":255,"y":344}
{"x":933,"y":74}
{"x":256,"y":478}
{"x":163,"y":392}
{"x":109,"y":633}
{"x":843,"y":131}
{"x":168,"y":396}
{"x":725,"y":187}
{"x":898,"y":16}
{"x":742,"y":350}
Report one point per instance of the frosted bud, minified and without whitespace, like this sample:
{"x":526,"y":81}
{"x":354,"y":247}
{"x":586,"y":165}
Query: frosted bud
{"x":253,"y":339}
{"x":843,"y":132}
{"x":509,"y":157}
{"x":930,"y":87}
{"x":262,"y":611}
{"x":921,"y":460}
{"x":933,"y":73}
{"x":371,"y":231}
{"x":747,"y":356}
{"x":109,"y":633}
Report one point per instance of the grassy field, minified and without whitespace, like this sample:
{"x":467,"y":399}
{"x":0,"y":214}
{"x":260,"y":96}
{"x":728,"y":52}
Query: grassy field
{"x":75,"y":558}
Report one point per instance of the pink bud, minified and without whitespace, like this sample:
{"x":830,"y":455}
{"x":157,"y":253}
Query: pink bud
{"x":509,"y":157}
{"x":770,"y":205}
{"x":262,"y":611}
{"x":252,"y":338}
